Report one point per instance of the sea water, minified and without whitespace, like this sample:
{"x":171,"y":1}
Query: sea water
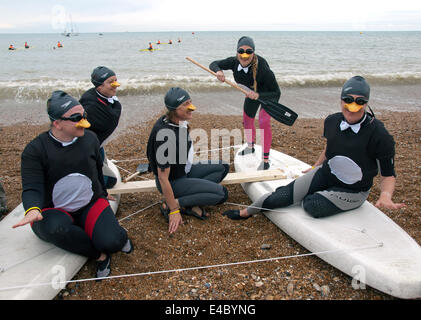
{"x":310,"y":68}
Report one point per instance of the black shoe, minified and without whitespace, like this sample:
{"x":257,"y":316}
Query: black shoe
{"x":234,"y":215}
{"x":128,"y":247}
{"x":103,"y":268}
{"x":264,"y":166}
{"x":188,"y":211}
{"x":3,"y":210}
{"x":247,"y":150}
{"x":165,"y":211}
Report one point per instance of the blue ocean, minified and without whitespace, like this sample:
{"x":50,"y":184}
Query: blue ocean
{"x":310,"y":68}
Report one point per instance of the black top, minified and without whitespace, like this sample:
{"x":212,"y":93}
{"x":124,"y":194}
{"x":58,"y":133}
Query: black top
{"x":102,"y":115}
{"x":370,"y":148}
{"x":168,"y":147}
{"x":267,"y":86}
{"x":45,"y":161}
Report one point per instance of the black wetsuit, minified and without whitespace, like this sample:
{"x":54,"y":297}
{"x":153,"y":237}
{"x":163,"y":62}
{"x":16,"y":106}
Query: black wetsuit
{"x":199,"y":183}
{"x":88,"y":228}
{"x":103,"y":117}
{"x":3,"y":206}
{"x":102,"y":114}
{"x":344,"y":179}
{"x":267,"y":86}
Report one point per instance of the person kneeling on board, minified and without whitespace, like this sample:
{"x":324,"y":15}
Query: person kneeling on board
{"x":357,"y":146}
{"x":186,"y":187}
{"x":63,"y":194}
{"x":104,"y":110}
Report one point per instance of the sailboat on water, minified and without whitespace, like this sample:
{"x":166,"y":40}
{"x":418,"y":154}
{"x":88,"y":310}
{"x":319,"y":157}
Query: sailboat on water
{"x":70,"y":26}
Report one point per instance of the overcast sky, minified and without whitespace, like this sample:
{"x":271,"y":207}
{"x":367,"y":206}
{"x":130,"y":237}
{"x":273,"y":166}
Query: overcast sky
{"x":26,"y":16}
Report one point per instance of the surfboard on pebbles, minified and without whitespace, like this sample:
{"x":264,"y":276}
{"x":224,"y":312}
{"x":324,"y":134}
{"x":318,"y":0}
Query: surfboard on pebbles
{"x":32,"y":266}
{"x":363,"y":243}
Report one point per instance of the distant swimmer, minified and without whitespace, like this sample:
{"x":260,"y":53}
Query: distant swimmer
{"x":26,"y":45}
{"x":59,"y":45}
{"x":11,"y":47}
{"x":179,"y":40}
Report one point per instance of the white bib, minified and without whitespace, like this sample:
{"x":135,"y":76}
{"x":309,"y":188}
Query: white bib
{"x":345,"y":169}
{"x":72,"y":192}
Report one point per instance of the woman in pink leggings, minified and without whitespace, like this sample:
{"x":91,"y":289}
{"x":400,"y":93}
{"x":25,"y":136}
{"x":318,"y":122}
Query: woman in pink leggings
{"x":252,"y":71}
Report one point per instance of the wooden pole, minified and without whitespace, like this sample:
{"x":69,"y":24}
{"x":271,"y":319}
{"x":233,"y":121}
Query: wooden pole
{"x":231,"y":178}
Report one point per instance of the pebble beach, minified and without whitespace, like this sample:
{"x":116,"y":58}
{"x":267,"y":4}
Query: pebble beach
{"x":219,"y":240}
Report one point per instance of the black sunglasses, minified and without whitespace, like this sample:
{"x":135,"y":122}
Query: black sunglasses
{"x":360,"y":101}
{"x":248,"y":51}
{"x":76,"y":117}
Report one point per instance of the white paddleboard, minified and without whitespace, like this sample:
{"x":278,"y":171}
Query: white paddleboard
{"x":27,"y":261}
{"x":363,"y":243}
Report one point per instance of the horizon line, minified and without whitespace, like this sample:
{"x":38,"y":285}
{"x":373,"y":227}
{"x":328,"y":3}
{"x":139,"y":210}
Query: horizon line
{"x":162,"y":31}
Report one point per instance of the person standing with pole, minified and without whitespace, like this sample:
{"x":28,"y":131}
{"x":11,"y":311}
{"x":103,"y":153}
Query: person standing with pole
{"x":252,"y":71}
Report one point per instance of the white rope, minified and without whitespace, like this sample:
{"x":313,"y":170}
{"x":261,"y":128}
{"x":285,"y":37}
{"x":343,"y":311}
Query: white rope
{"x":139,"y":211}
{"x":124,"y":169}
{"x":218,"y":149}
{"x":127,"y":160}
{"x":209,"y":150}
{"x":188,"y":269}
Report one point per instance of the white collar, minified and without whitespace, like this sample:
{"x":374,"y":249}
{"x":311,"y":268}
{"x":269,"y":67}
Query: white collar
{"x":110,"y":100}
{"x":240,"y":67}
{"x":63,"y":143}
{"x":355,"y":127}
{"x":181,"y":124}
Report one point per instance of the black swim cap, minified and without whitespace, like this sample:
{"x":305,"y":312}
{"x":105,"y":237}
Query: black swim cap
{"x":59,"y":103}
{"x":245,"y":41}
{"x":174,"y":97}
{"x":356,"y":85}
{"x":100,"y":74}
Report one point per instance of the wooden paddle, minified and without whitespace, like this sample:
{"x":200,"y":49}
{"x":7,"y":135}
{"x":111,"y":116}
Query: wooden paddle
{"x":276,"y":110}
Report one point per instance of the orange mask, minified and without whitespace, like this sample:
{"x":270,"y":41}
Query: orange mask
{"x":353,"y":107}
{"x":83,"y":124}
{"x":191,"y":107}
{"x":114,"y":84}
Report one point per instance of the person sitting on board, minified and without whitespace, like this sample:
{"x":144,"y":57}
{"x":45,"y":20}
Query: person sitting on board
{"x":186,"y":187}
{"x":150,"y":46}
{"x":104,"y":111}
{"x":59,"y":45}
{"x":63,"y":192}
{"x":169,"y":41}
{"x":11,"y":47}
{"x":357,"y":147}
{"x":252,"y":71}
{"x":26,"y":45}
{"x":3,"y":202}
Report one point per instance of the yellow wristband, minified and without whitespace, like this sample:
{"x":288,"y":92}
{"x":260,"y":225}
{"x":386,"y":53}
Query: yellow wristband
{"x":176,"y":211}
{"x":32,"y":209}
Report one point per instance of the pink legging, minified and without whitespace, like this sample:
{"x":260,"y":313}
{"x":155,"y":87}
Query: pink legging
{"x":264,"y":124}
